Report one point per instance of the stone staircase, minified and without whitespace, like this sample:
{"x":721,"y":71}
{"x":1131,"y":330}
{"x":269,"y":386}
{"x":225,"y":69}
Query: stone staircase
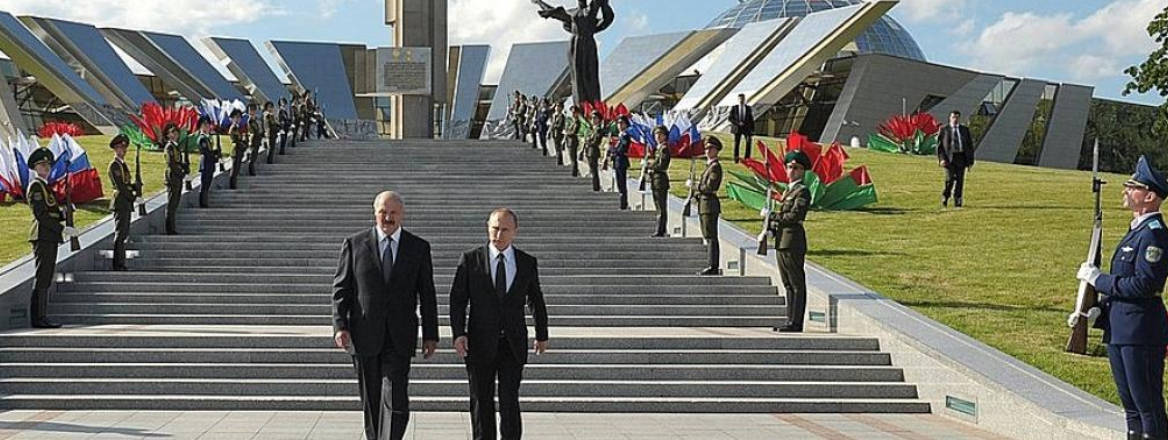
{"x":234,"y":313}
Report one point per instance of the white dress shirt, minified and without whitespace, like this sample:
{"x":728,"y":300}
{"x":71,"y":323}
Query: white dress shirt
{"x":508,"y":263}
{"x":382,"y":242}
{"x":1138,"y":220}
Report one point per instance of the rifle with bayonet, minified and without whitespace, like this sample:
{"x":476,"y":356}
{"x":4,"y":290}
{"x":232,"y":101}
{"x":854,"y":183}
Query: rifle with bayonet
{"x":766,"y":221}
{"x":74,"y":242}
{"x":138,"y":180}
{"x":685,"y":211}
{"x":1087,"y":299}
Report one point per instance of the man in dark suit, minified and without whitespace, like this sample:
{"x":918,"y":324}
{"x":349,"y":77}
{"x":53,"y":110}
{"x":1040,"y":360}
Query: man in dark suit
{"x":955,"y":155}
{"x":382,"y":276}
{"x":742,"y":125}
{"x":496,"y":281}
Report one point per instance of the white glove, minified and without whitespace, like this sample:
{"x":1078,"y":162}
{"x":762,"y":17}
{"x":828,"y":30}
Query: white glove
{"x":1072,"y":319}
{"x":764,"y":213}
{"x":139,"y":201}
{"x":1092,"y":315}
{"x":1088,"y":273}
{"x":69,"y":231}
{"x":689,"y":183}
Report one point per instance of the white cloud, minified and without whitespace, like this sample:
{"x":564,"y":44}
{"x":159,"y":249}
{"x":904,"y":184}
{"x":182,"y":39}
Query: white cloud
{"x":965,"y":28}
{"x":186,"y":17}
{"x":500,"y":26}
{"x":922,"y":10}
{"x":1088,"y":48}
{"x":637,"y":22}
{"x":328,"y":8}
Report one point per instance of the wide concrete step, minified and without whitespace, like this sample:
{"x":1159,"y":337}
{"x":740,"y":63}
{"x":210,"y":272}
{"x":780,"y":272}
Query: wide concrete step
{"x":356,"y":223}
{"x":635,"y":404}
{"x":326,"y":289}
{"x":323,"y":267}
{"x":463,"y":242}
{"x":324,"y":309}
{"x":449,"y":258}
{"x":295,"y":278}
{"x":429,"y":370}
{"x":443,"y":248}
{"x":317,"y":299}
{"x":562,"y":320}
{"x":445,"y":356}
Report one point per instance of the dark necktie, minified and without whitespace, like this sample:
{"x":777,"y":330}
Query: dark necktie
{"x":500,"y":276}
{"x":387,"y":259}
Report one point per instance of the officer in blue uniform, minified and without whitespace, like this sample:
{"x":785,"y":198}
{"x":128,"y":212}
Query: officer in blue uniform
{"x":1134,"y":322}
{"x":619,"y":156}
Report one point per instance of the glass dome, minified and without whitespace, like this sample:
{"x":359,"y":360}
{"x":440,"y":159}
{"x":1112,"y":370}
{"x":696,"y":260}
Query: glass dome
{"x":885,"y":36}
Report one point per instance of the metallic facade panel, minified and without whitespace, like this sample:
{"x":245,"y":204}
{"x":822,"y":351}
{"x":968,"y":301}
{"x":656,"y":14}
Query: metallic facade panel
{"x":244,"y":61}
{"x":148,"y":55}
{"x":32,"y":55}
{"x":532,"y":68}
{"x":737,"y":50}
{"x":1064,"y":133}
{"x":1004,"y":136}
{"x":671,"y":65}
{"x":86,"y":45}
{"x":185,"y":55}
{"x":966,"y":99}
{"x":632,"y":56}
{"x":472,"y":65}
{"x":318,"y":67}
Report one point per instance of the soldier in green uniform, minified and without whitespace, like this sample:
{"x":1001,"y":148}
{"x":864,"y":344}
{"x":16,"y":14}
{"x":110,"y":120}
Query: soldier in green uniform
{"x":791,"y":239}
{"x":255,"y":129}
{"x":175,"y":173}
{"x":557,"y":128}
{"x":709,"y":207}
{"x":238,"y":145}
{"x":271,"y":129}
{"x":46,"y":233}
{"x":658,"y":169}
{"x":211,"y":155}
{"x":592,"y":149}
{"x":571,"y":135}
{"x":122,"y":201}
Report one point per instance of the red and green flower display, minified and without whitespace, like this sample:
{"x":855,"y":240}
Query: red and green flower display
{"x":832,"y":189}
{"x":912,"y":134}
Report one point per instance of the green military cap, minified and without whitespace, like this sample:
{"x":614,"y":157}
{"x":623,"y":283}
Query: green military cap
{"x":713,"y":142}
{"x":120,"y":139}
{"x":799,"y":157}
{"x":40,"y":155}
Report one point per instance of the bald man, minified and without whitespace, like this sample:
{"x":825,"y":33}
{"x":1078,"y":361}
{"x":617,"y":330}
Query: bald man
{"x":382,"y":276}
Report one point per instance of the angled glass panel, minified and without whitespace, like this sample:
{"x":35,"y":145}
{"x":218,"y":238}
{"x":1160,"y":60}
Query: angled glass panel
{"x":532,"y":69}
{"x":98,"y":52}
{"x":24,"y":41}
{"x":181,"y":51}
{"x":319,"y":67}
{"x":737,"y":48}
{"x":632,"y":56}
{"x":247,"y":62}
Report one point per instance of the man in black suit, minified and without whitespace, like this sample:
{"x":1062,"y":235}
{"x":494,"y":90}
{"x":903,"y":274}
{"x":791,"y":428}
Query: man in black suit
{"x":742,"y":125}
{"x":382,"y":276}
{"x":955,"y":155}
{"x":496,"y":281}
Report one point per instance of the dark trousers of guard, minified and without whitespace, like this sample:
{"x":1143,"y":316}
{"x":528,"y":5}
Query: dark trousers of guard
{"x":738,"y":137}
{"x":795,"y":284}
{"x":955,"y":179}
{"x":622,"y":185}
{"x":710,"y":233}
{"x":509,"y":373}
{"x":173,"y":196}
{"x":661,"y":203}
{"x":253,"y":157}
{"x":518,"y":131}
{"x":384,"y":381}
{"x":573,"y":155}
{"x":559,"y":144}
{"x":45,"y":257}
{"x":291,"y":135}
{"x":121,"y":233}
{"x":1138,"y":371}
{"x":542,"y":135}
{"x":272,"y":148}
{"x":236,"y":164}
{"x":283,"y":140}
{"x":594,"y":170}
{"x":205,"y":188}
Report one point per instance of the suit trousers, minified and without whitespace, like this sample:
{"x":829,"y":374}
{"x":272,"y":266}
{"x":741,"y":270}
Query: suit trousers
{"x":1138,"y":371}
{"x":738,"y":137}
{"x":622,"y":185}
{"x":795,"y":284}
{"x":121,"y":233}
{"x":509,"y":372}
{"x":173,"y":197}
{"x":661,"y":203}
{"x":384,"y":380}
{"x":45,"y":256}
{"x":954,"y":180}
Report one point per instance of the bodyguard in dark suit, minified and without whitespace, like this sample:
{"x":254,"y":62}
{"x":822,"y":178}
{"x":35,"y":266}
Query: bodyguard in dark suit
{"x":383,"y":274}
{"x":1134,"y":322}
{"x":955,"y":155}
{"x":742,"y":124}
{"x":791,"y":239}
{"x":45,"y":234}
{"x":123,"y":198}
{"x":619,"y":155}
{"x":496,"y":282}
{"x":709,"y":207}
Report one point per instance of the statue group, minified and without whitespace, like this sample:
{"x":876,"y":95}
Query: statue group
{"x":583,"y":22}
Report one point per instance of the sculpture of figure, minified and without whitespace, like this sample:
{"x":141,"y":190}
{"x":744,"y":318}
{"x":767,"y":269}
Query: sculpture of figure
{"x":583,"y":23}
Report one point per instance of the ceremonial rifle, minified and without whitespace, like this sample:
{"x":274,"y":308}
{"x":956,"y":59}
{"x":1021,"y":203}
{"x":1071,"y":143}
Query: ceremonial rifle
{"x":74,"y":242}
{"x":1087,"y":296}
{"x":685,"y":211}
{"x":138,"y":179}
{"x":644,"y":168}
{"x":186,"y":163}
{"x":766,"y":221}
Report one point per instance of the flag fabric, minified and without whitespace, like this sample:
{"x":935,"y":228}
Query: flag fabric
{"x":70,"y":161}
{"x":684,"y":139}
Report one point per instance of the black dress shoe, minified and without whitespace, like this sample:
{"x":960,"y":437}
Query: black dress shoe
{"x":120,"y":268}
{"x":710,"y":271}
{"x":1132,"y":435}
{"x":657,"y":236}
{"x":788,"y":329}
{"x":45,"y":324}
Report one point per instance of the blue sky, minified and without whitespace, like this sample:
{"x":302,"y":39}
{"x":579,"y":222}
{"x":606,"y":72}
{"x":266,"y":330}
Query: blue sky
{"x":1082,"y":41}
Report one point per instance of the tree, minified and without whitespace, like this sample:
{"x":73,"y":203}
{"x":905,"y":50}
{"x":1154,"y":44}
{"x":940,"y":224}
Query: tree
{"x":1152,"y":74}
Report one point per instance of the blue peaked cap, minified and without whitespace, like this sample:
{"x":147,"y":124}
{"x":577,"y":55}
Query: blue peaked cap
{"x":1148,"y":177}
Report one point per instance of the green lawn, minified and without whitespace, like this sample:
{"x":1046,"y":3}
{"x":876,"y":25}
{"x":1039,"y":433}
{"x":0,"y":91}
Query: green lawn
{"x":1001,"y":270}
{"x":15,"y":216}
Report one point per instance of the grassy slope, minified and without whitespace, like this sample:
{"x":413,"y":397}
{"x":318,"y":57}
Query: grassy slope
{"x":15,"y":216}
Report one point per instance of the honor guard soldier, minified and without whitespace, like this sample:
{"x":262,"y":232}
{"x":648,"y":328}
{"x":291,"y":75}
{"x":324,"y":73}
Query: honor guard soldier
{"x":709,"y":207}
{"x":294,"y":115}
{"x":210,"y":156}
{"x":791,"y":239}
{"x":558,"y":131}
{"x":271,"y":130}
{"x":571,"y":135}
{"x":122,"y":201}
{"x":658,"y":169}
{"x":238,"y":145}
{"x":592,"y":149}
{"x":1134,"y":322}
{"x":619,"y":155}
{"x":285,"y":123}
{"x":255,"y":131}
{"x":47,"y":232}
{"x":175,"y":173}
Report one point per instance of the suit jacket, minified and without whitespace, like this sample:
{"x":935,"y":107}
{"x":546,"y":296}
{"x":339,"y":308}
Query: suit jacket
{"x":371,"y":310}
{"x":489,"y":312}
{"x":707,"y":190}
{"x":787,"y":224}
{"x":1133,"y":308}
{"x":947,"y":142}
{"x":742,"y":124}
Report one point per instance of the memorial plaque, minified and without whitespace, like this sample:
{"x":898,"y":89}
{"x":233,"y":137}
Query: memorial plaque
{"x":403,"y":71}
